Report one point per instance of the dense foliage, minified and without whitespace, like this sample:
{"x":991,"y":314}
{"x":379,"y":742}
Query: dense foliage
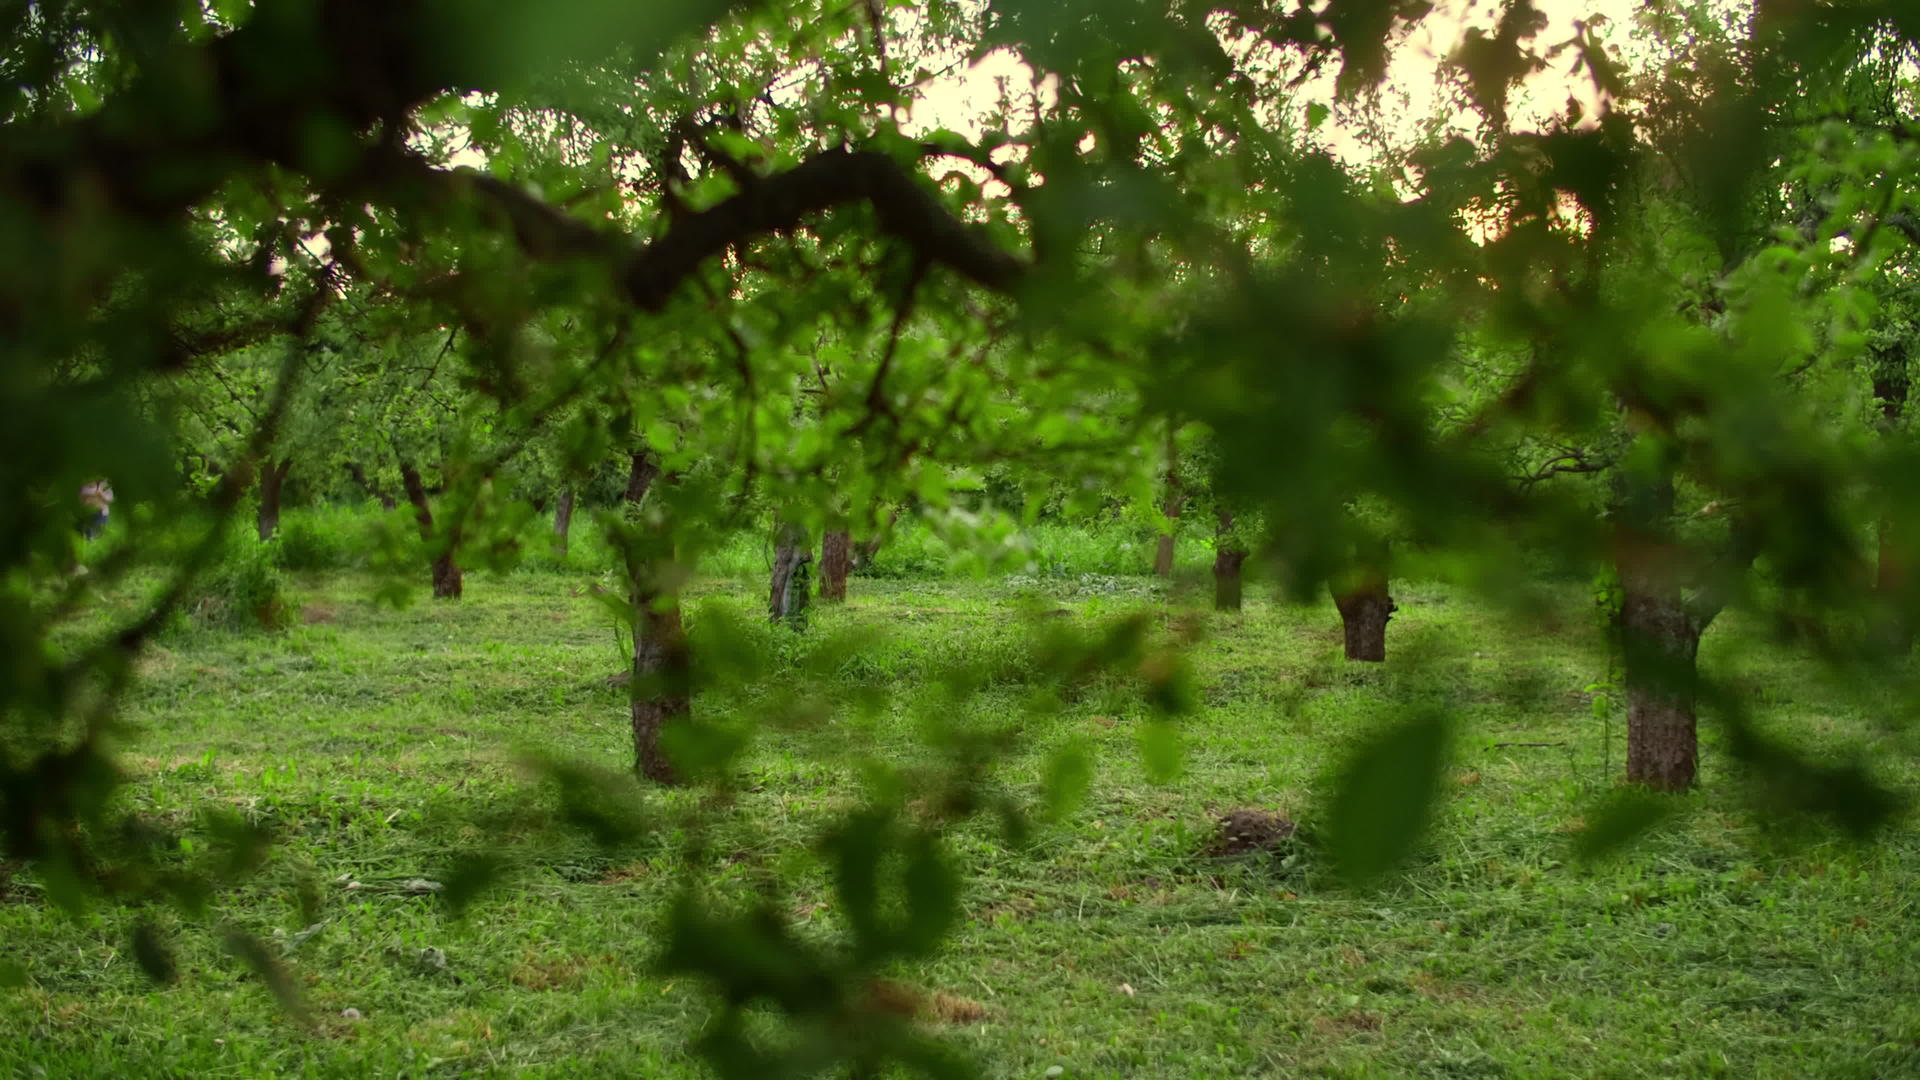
{"x":712,"y":266}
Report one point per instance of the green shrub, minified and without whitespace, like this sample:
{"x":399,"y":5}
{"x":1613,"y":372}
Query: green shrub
{"x":243,"y":591}
{"x":912,"y":551}
{"x":587,"y":547}
{"x":306,"y":542}
{"x":1076,"y":550}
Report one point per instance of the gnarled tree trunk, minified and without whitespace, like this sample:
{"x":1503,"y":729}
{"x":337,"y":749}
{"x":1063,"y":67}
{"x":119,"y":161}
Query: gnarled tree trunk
{"x":447,"y":582}
{"x":788,"y":590}
{"x":1365,"y":606}
{"x":273,"y":477}
{"x":1228,"y":557}
{"x":562,"y":519}
{"x":836,"y":561}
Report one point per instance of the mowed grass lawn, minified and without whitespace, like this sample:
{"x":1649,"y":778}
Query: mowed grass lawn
{"x":376,"y":742}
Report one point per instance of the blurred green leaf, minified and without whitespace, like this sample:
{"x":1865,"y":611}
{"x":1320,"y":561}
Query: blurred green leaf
{"x":153,"y":954}
{"x":1067,"y":777}
{"x":1161,"y":751}
{"x":1383,"y":795}
{"x":1623,"y":816}
{"x":264,"y":964}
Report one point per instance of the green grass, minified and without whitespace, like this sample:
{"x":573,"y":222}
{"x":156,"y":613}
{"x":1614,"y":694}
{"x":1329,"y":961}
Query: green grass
{"x":373,"y":743}
{"x":334,"y":537}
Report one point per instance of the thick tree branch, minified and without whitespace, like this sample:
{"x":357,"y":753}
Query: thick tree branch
{"x":906,"y":210}
{"x":650,"y":274}
{"x":1566,"y":462}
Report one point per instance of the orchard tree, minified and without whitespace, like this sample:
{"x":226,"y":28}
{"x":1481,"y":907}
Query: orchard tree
{"x":695,"y":191}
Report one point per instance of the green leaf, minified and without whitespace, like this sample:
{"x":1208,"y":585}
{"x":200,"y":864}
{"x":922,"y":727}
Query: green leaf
{"x":1621,"y":817}
{"x":1384,"y":796}
{"x":1317,"y":113}
{"x":152,"y":953}
{"x":1160,"y":751}
{"x":932,"y":894}
{"x":469,"y":876}
{"x":857,"y":848}
{"x":232,"y":13}
{"x":617,"y":606}
{"x":251,"y":950}
{"x":1068,"y":776}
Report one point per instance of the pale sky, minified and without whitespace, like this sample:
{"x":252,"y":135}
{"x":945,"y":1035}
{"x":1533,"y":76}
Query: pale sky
{"x":964,"y":94}
{"x":958,"y":99}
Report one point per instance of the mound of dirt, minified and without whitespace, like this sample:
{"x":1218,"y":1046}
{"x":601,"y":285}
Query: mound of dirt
{"x":1248,"y":830}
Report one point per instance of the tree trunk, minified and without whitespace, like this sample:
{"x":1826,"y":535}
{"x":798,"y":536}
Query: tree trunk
{"x":447,"y":583}
{"x":640,"y":475}
{"x":562,"y":519}
{"x":792,"y":563}
{"x":1170,"y":506}
{"x":1659,"y":633}
{"x":660,"y":687}
{"x":661,"y":684}
{"x":272,"y":478}
{"x":446,"y":572}
{"x":360,"y":477}
{"x":1660,"y":641}
{"x":1227,"y":560}
{"x":836,"y":560}
{"x":1364,"y":611}
{"x":1891,"y":383}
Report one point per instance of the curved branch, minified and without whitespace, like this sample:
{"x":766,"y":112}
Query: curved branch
{"x":907,"y":211}
{"x":651,"y":273}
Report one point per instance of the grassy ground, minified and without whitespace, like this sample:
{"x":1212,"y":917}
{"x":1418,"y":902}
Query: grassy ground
{"x":370,"y":741}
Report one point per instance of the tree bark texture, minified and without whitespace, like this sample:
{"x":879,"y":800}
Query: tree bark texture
{"x":836,"y":561}
{"x":447,"y":581}
{"x":641,"y":474}
{"x":1659,"y":631}
{"x":562,"y":519}
{"x":787,"y":594}
{"x":273,"y":478}
{"x":661,"y":685}
{"x":1228,"y":558}
{"x":661,"y":689}
{"x":1364,"y":611}
{"x":1660,"y":641}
